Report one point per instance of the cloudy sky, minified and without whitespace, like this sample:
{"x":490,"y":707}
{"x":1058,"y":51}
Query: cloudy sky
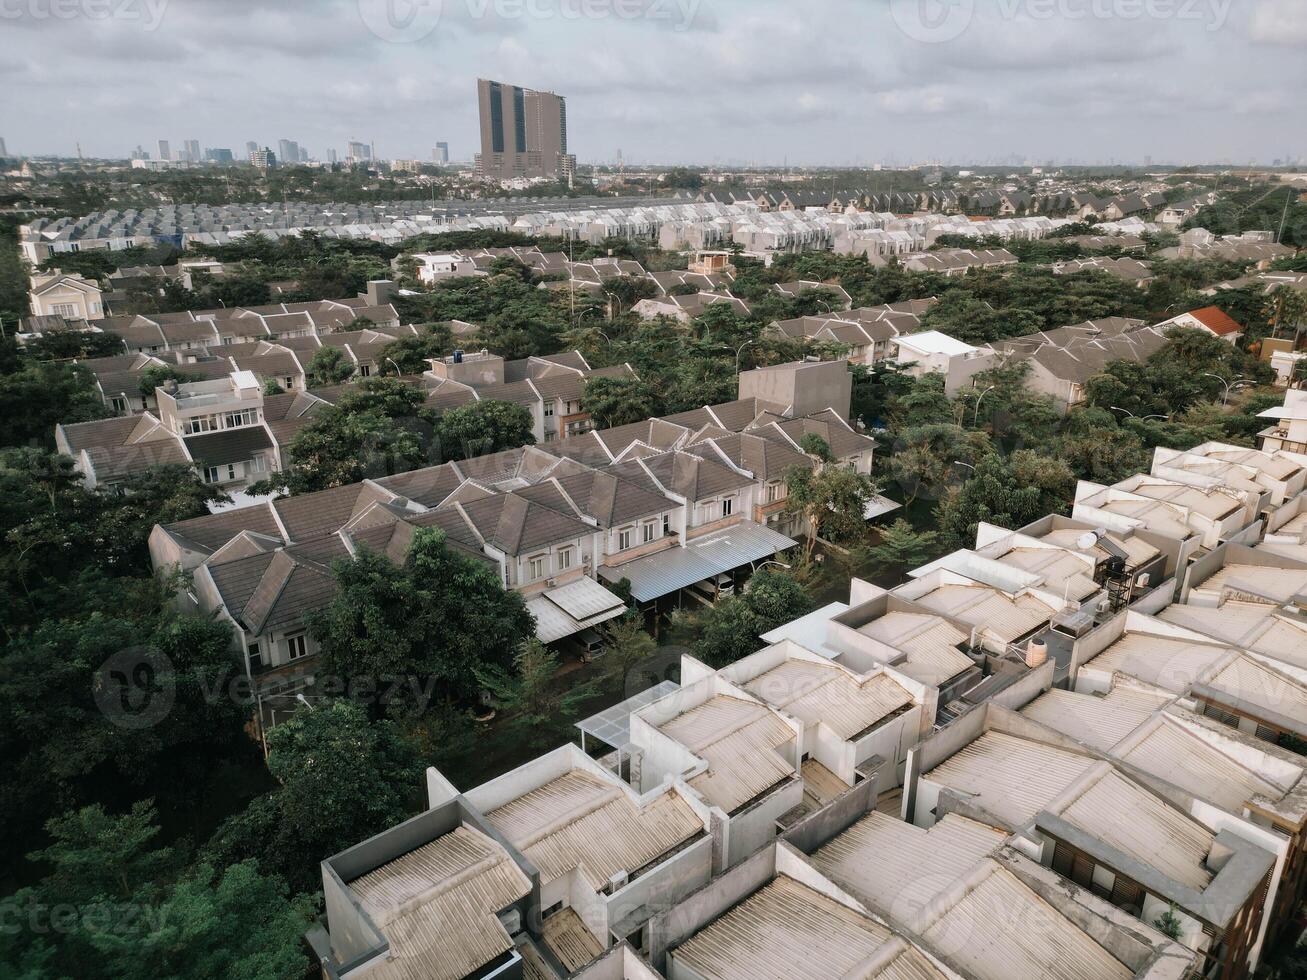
{"x":665,"y":81}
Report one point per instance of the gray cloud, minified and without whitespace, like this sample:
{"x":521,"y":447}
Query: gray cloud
{"x":674,"y":80}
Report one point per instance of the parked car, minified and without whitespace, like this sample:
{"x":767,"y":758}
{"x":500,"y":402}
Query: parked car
{"x":711,"y":589}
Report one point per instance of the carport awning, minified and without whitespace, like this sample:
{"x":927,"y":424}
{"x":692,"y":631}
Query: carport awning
{"x":657,"y":575}
{"x":571,"y":608}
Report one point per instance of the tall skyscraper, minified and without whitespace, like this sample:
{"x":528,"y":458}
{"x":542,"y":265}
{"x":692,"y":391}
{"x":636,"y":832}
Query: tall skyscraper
{"x":288,"y":151}
{"x":358,"y":151}
{"x":331,"y":155}
{"x":304,"y":154}
{"x":523,"y":132}
{"x":251,"y":148}
{"x":441,"y":153}
{"x":164,"y":152}
{"x":193,"y":151}
{"x":4,"y":152}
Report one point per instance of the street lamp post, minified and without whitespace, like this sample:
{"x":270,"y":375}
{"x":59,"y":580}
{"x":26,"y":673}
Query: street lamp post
{"x":975,"y":419}
{"x":1229,"y":385}
{"x":398,"y":372}
{"x":1142,"y":418}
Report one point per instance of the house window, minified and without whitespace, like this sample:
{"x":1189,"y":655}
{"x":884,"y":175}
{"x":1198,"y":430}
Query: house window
{"x":231,"y":471}
{"x":624,"y":538}
{"x":297,"y":646}
{"x":549,"y":410}
{"x":211,"y":474}
{"x":65,"y":309}
{"x":204,"y":423}
{"x":648,"y":531}
{"x":255,"y":655}
{"x":289,"y":382}
{"x":259,"y":464}
{"x":365,"y":370}
{"x":775,"y":492}
{"x":536,"y":567}
{"x":667,"y":524}
{"x":119,"y":405}
{"x":564,"y":559}
{"x":728,"y":505}
{"x":234,"y":420}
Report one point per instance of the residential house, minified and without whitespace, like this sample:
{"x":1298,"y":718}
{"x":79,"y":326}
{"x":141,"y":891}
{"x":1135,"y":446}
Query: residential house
{"x":932,"y":352}
{"x":72,"y":297}
{"x":1209,"y":319}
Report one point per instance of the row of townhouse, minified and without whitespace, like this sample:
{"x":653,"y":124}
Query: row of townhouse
{"x":867,"y":332}
{"x":155,"y":429}
{"x":1075,"y":750}
{"x":662,"y":504}
{"x":202,"y":330}
{"x":1060,"y":361}
{"x":958,"y":261}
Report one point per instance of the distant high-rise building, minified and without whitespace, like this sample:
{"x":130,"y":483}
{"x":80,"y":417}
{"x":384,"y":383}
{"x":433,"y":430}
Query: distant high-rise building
{"x":4,"y":152}
{"x":193,"y":151}
{"x":304,"y":154}
{"x":251,"y":148}
{"x":137,"y":154}
{"x":288,"y":151}
{"x":331,"y":155}
{"x":358,"y":151}
{"x":441,"y":153}
{"x":263,"y":159}
{"x":164,"y":152}
{"x":219,"y":155}
{"x":523,"y":132}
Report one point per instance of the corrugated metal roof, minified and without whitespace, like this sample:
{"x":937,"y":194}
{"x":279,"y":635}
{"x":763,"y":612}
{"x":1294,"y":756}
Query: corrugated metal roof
{"x":1171,"y":752}
{"x":896,"y":867}
{"x":1099,"y":722}
{"x":1013,"y":778}
{"x":657,"y":575}
{"x":1170,"y":664}
{"x":571,"y":608}
{"x":1000,"y":929}
{"x":437,"y":906}
{"x":580,"y":822}
{"x":1123,"y":814}
{"x":930,"y":642}
{"x":738,"y":739}
{"x":786,"y":929}
{"x":825,"y":694}
{"x":1249,"y":680}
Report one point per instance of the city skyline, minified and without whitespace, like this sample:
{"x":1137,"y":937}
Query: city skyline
{"x":835,"y":84}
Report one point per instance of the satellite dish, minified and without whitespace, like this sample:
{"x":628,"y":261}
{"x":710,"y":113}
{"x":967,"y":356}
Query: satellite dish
{"x":1087,"y":540}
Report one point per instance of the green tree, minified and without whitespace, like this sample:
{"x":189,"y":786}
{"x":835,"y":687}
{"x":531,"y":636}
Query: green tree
{"x":531,"y":694}
{"x":34,"y":400}
{"x":188,"y":933}
{"x":342,"y":779}
{"x":832,"y":499}
{"x":903,"y":547}
{"x":732,"y":628}
{"x":433,"y":620}
{"x":618,"y":401}
{"x":376,"y":429}
{"x":1008,"y":492}
{"x":329,"y":366}
{"x":483,"y":427}
{"x":96,"y":854}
